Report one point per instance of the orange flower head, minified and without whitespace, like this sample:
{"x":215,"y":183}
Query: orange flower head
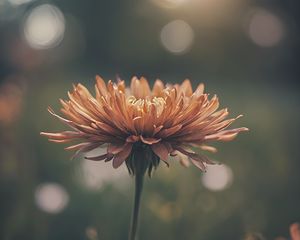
{"x":141,"y":126}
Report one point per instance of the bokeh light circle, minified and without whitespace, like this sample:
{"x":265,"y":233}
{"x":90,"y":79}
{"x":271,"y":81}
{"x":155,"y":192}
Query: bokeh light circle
{"x":51,"y":197}
{"x":44,"y":27}
{"x":217,"y":177}
{"x":177,"y":36}
{"x":94,"y":175}
{"x":265,"y":29}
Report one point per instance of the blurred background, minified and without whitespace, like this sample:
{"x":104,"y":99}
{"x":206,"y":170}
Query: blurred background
{"x":245,"y":51}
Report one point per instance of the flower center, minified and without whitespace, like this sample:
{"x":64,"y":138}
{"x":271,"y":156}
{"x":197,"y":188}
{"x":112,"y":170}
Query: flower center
{"x":145,"y":104}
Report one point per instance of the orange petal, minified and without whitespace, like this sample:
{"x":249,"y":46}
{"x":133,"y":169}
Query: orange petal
{"x":198,"y":164}
{"x":83,"y":147}
{"x":98,"y":158}
{"x":135,"y":87}
{"x":226,"y":135}
{"x":199,"y":90}
{"x":114,"y":148}
{"x":160,"y":150}
{"x":65,"y":121}
{"x":101,"y":86}
{"x":169,"y":131}
{"x":158,"y":88}
{"x":60,"y":141}
{"x":121,"y":156}
{"x":186,"y":88}
{"x":184,"y":161}
{"x":295,"y":231}
{"x":145,"y":88}
{"x":132,"y":139}
{"x":208,"y":148}
{"x":157,"y":129}
{"x":148,"y":140}
{"x":196,"y":158}
{"x":63,"y":135}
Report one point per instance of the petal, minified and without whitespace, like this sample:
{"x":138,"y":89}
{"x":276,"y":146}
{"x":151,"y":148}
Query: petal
{"x":160,"y":150}
{"x":99,"y":158}
{"x":199,"y":164}
{"x":132,"y":139}
{"x":150,"y":141}
{"x":169,"y":131}
{"x":199,"y":90}
{"x":65,"y":121}
{"x":121,"y":85}
{"x":83,"y":147}
{"x":59,"y":141}
{"x":109,"y":158}
{"x":196,"y":158}
{"x":295,"y":231}
{"x":158,"y":88}
{"x":145,"y":88}
{"x":121,"y":156}
{"x":83,"y":91}
{"x":203,"y":158}
{"x":184,"y":162}
{"x":186,"y":88}
{"x":63,"y":135}
{"x":78,"y":146}
{"x":134,"y":86}
{"x":100,"y":83}
{"x":157,"y":129}
{"x":226,"y":135}
{"x":183,"y":159}
{"x":208,"y":148}
{"x":115,"y":148}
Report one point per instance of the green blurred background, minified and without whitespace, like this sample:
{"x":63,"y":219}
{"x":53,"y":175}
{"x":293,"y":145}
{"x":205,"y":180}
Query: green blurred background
{"x":245,"y":51}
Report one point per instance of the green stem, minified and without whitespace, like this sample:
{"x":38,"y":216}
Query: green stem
{"x":139,"y":177}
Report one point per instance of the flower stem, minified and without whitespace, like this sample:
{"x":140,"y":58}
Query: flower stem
{"x":139,"y":177}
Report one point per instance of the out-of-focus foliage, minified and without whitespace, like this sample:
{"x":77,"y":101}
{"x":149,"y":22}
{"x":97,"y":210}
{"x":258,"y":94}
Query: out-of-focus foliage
{"x":244,"y":51}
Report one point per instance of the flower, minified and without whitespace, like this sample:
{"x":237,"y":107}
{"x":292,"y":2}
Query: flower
{"x":141,"y":126}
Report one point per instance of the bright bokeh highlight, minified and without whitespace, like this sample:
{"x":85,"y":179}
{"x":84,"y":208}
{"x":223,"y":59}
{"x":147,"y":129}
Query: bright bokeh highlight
{"x":177,"y":36}
{"x":217,"y":177}
{"x":51,"y":197}
{"x":44,"y":27}
{"x":94,"y":175}
{"x":265,"y":29}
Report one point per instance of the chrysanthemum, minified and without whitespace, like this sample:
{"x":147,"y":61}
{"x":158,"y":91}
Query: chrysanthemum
{"x":141,"y":126}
